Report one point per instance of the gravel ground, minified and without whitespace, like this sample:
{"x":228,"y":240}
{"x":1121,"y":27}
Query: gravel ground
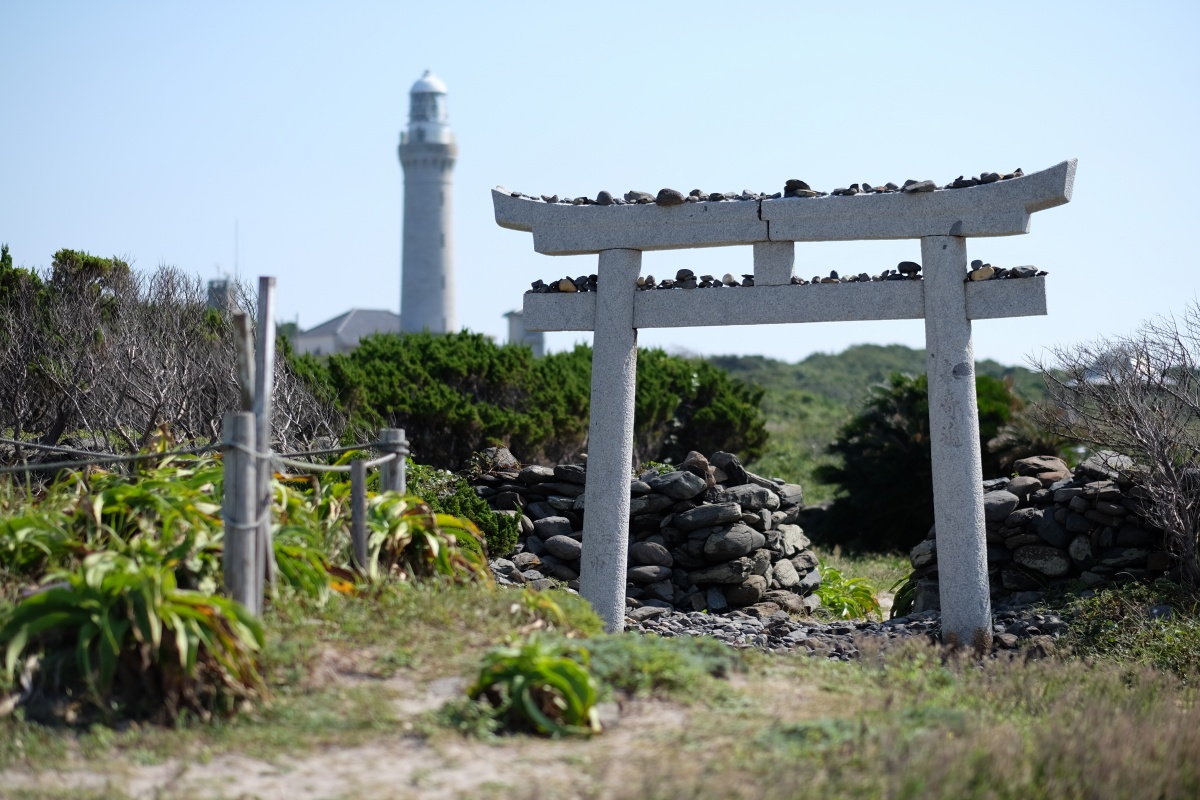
{"x":1013,"y":626}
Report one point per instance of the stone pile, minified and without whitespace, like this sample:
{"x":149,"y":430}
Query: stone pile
{"x":686,"y":279}
{"x":1050,"y":526}
{"x":792,"y":189}
{"x":980,"y":271}
{"x":709,"y":536}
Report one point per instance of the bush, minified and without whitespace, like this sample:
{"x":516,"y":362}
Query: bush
{"x":650,"y":665}
{"x":1154,"y":625}
{"x":886,"y":476}
{"x":456,"y":394}
{"x":111,"y":358}
{"x":500,"y":531}
{"x":122,"y":636}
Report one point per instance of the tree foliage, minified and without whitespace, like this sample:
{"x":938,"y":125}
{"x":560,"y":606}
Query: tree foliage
{"x":456,"y":394}
{"x":886,"y":475}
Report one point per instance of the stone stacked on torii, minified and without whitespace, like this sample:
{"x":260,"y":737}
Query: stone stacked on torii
{"x":942,"y":220}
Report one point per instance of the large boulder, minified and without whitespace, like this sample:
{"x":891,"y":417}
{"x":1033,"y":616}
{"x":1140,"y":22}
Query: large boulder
{"x":680,"y":485}
{"x":750,"y":497}
{"x":734,"y":571}
{"x":706,"y":516}
{"x":732,"y":541}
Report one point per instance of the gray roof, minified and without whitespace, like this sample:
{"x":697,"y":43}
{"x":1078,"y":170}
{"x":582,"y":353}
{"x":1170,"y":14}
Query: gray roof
{"x":357,"y":323}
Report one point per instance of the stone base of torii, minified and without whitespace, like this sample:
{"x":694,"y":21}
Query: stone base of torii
{"x":942,"y":220}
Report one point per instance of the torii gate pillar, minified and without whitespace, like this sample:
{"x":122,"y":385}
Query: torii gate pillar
{"x":610,"y":438}
{"x":954,"y":433}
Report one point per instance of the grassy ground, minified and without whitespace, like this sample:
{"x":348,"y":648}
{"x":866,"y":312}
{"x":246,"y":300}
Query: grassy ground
{"x":357,"y":685}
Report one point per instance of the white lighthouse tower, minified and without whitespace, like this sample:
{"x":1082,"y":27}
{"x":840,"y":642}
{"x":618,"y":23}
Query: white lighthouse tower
{"x":427,"y":154}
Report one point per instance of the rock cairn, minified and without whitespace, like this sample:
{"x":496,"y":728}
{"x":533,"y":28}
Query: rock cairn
{"x":686,"y":279}
{"x":709,"y":536}
{"x":793,"y":188}
{"x":1050,"y":526}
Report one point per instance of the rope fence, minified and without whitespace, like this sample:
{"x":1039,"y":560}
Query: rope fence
{"x":249,"y":555}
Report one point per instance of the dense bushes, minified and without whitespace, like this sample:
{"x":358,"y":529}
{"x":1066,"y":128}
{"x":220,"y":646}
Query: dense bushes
{"x":886,"y":474}
{"x":107,"y":358}
{"x":456,"y":394}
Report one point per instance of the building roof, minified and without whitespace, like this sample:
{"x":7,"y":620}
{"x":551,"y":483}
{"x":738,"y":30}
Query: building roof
{"x":357,"y":323}
{"x":428,"y":83}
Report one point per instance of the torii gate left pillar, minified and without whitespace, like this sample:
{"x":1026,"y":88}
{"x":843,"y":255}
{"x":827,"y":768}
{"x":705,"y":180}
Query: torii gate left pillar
{"x":603,"y":562}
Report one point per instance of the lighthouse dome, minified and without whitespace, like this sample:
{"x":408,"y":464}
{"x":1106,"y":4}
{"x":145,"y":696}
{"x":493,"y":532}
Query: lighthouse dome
{"x":428,"y":84}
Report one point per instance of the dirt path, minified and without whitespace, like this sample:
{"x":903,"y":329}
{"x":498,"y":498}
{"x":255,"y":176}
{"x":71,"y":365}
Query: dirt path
{"x":405,"y":767}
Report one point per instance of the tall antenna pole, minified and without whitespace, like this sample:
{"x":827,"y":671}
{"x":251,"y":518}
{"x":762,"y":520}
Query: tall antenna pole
{"x":235,"y":249}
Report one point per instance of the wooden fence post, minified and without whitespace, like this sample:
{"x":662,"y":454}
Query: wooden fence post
{"x":239,"y":508}
{"x":243,"y":349}
{"x":358,"y":512}
{"x":264,"y":387}
{"x":392,"y":475}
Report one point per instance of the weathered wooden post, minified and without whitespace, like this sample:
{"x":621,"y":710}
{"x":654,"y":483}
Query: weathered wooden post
{"x":243,"y":351}
{"x":239,"y":508}
{"x":610,"y":438}
{"x":358,"y":512}
{"x":392,"y":474}
{"x":954,"y":434}
{"x":264,"y":388}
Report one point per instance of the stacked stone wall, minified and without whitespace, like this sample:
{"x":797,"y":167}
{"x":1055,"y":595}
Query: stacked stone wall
{"x":706,"y":536}
{"x":1051,"y":526}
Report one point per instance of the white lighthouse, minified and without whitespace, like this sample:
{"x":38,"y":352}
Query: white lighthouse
{"x":427,"y":155}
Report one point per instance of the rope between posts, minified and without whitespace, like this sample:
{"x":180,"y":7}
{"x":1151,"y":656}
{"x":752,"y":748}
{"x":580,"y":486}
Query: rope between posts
{"x":100,"y":458}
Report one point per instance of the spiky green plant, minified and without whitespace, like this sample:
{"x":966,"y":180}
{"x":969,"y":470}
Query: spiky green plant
{"x":124,"y":637}
{"x":408,"y":539}
{"x":540,"y":684}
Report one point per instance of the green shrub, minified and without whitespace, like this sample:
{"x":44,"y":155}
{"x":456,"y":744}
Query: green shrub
{"x":457,"y":394}
{"x":125,"y":638}
{"x":886,"y":475}
{"x":500,"y":531}
{"x":640,"y":664}
{"x":1116,"y":623}
{"x":541,"y":685}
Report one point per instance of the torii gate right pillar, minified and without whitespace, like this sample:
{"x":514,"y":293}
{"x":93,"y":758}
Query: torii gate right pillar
{"x":954,"y":432}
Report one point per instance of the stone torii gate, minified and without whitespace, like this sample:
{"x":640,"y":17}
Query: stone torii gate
{"x":942,"y":220}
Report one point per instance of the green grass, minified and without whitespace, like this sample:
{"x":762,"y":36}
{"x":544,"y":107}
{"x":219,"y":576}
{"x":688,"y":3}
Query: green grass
{"x":1116,"y":623}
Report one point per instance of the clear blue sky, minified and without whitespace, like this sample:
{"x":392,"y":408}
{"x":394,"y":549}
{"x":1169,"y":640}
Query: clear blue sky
{"x":146,"y":129}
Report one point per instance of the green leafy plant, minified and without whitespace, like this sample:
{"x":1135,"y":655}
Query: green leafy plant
{"x":409,"y":539}
{"x":541,"y":685}
{"x":847,"y":598}
{"x":500,"y":531}
{"x":904,"y":592}
{"x":123,"y":636}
